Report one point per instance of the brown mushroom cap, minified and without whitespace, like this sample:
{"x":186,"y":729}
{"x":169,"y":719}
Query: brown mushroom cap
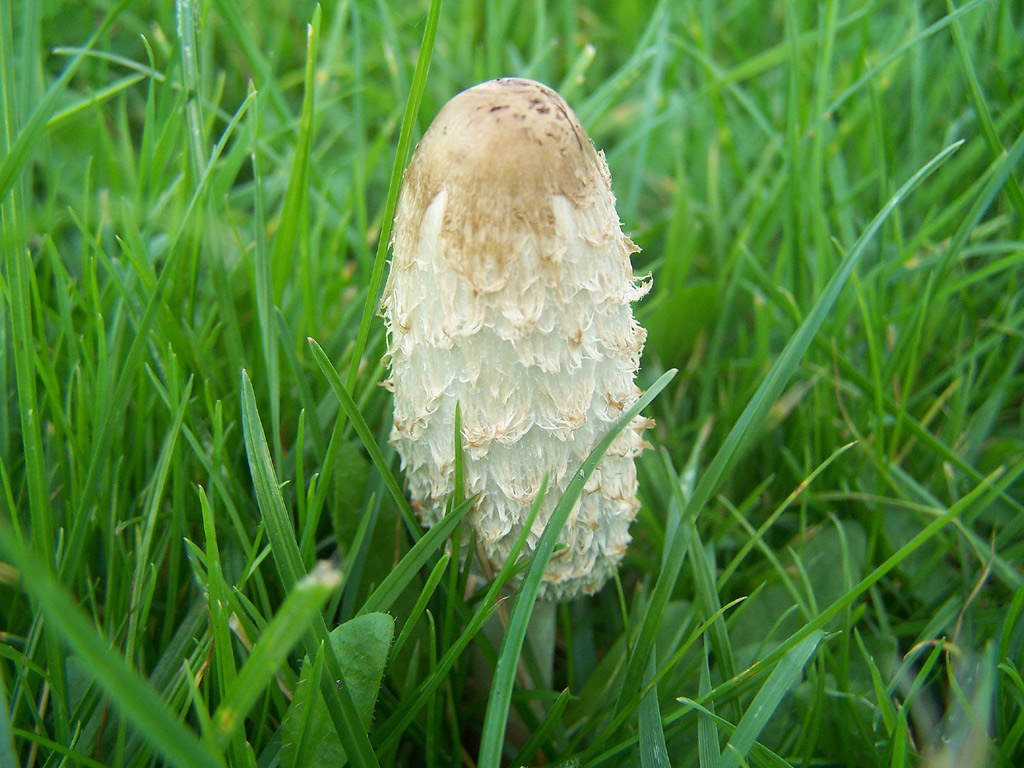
{"x":500,"y":150}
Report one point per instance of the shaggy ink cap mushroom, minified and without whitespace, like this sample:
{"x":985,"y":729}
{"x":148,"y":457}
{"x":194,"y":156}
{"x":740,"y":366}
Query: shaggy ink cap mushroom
{"x":509,"y":293}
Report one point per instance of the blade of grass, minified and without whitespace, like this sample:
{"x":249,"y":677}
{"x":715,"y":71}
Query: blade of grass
{"x":399,"y":578}
{"x":421,"y":602}
{"x":19,"y":151}
{"x":767,"y":700}
{"x":7,"y":754}
{"x":412,"y":108}
{"x":57,"y":748}
{"x":753,"y":416}
{"x":263,"y":285}
{"x":136,"y":698}
{"x":298,"y":375}
{"x":981,"y":107}
{"x":280,"y":530}
{"x":707,"y":597}
{"x":708,"y":751}
{"x":20,"y":272}
{"x":219,"y":606}
{"x":278,"y":638}
{"x":294,"y":213}
{"x":886,"y":707}
{"x":95,"y":98}
{"x":762,"y":755}
{"x":653,"y":751}
{"x":351,"y":410}
{"x":143,"y":558}
{"x":303,"y":748}
{"x":285,"y":549}
{"x":496,"y":719}
{"x":186,"y":23}
{"x":543,"y":732}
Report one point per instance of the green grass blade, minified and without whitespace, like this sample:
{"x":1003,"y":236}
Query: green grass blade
{"x":351,"y":410}
{"x":421,"y":603}
{"x":400,"y":577}
{"x":219,"y":602}
{"x":285,"y":549}
{"x":543,"y":732}
{"x":303,"y":745}
{"x":707,"y":597}
{"x":278,"y":638}
{"x":762,"y":755}
{"x":412,"y":108}
{"x":7,"y":755}
{"x":190,"y":85}
{"x":138,"y":701}
{"x":288,"y":252}
{"x":779,"y":683}
{"x":279,"y":526}
{"x":653,"y":751}
{"x":153,"y":503}
{"x":886,"y":708}
{"x":495,"y":721}
{"x":1013,"y":188}
{"x":19,"y":264}
{"x":20,"y":150}
{"x":263,"y":284}
{"x":757,"y":409}
{"x":708,"y":751}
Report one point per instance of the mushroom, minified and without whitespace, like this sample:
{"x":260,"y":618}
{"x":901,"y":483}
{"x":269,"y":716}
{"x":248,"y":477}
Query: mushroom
{"x":509,"y":293}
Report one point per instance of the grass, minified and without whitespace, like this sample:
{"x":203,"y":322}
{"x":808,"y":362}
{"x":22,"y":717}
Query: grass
{"x":827,"y":566}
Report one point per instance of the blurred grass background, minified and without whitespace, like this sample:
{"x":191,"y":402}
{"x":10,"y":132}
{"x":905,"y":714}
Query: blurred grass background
{"x":193,"y":189}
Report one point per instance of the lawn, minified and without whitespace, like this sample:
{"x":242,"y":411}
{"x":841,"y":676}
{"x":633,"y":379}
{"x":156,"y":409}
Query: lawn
{"x":207,"y":554}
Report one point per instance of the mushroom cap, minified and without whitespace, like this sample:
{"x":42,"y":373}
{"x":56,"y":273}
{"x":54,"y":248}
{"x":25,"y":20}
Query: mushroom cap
{"x":500,"y":150}
{"x":509,"y":294}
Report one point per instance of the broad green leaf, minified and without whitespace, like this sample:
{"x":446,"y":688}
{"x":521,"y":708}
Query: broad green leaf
{"x":361,"y":645}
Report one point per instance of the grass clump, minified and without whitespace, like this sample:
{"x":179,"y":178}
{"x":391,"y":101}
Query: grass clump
{"x":827,"y":568}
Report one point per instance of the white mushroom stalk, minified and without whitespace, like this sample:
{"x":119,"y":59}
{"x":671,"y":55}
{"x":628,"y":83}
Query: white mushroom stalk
{"x":509,"y":293}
